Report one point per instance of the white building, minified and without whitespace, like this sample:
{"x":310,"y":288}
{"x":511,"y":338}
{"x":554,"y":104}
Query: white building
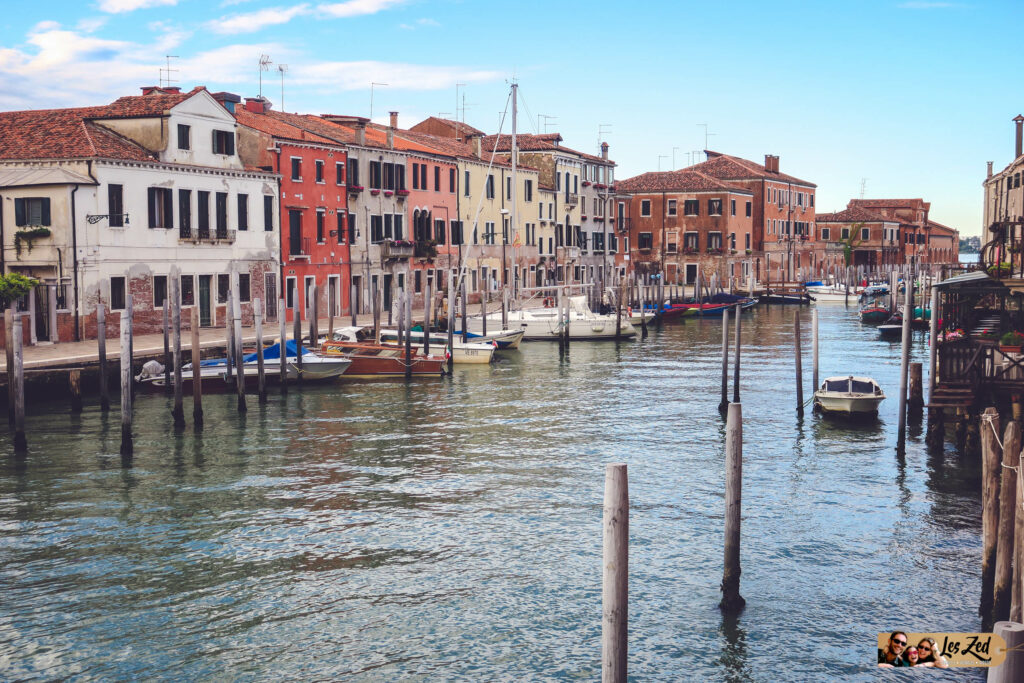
{"x":133,"y":194}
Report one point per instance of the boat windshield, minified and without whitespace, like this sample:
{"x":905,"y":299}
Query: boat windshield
{"x":863,"y":387}
{"x":837,"y":385}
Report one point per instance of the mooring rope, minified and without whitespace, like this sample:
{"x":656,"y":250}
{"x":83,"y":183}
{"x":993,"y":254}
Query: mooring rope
{"x":988,"y":418}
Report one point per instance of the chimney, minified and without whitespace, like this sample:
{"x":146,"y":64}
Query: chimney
{"x":391,"y":138}
{"x":989,"y":169}
{"x":1019,"y":120}
{"x":361,"y":133}
{"x":394,"y":119}
{"x":257,"y":105}
{"x":160,"y":90}
{"x":604,"y":151}
{"x":474,"y":139}
{"x":227,"y":100}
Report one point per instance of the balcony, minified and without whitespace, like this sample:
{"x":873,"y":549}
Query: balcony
{"x":569,"y":253}
{"x":225,"y":235}
{"x":426,"y":249}
{"x":571,"y":199}
{"x":622,"y":224}
{"x":299,"y":248}
{"x":396,"y":249}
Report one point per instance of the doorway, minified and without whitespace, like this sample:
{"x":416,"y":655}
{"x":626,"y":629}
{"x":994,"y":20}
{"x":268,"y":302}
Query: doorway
{"x":357,"y":288}
{"x":205,"y":289}
{"x":691,"y":273}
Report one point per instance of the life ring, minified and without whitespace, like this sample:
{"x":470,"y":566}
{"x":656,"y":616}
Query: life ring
{"x":547,"y":302}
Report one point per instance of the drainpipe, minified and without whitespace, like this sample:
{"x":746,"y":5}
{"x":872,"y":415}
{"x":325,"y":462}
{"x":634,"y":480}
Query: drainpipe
{"x":74,"y":255}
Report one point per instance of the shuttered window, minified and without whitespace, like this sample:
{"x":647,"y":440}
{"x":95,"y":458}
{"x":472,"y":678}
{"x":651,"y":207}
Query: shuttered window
{"x":32,"y":211}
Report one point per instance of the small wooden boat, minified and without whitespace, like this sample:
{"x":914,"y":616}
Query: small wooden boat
{"x":874,"y":313}
{"x":892,"y":327}
{"x":832,"y":293}
{"x":505,"y":339}
{"x":370,"y":359}
{"x":849,"y":395}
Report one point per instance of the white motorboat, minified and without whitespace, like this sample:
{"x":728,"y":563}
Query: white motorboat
{"x":505,"y":339}
{"x":849,"y":395}
{"x":832,"y":293}
{"x":463,"y":352}
{"x":543,"y":323}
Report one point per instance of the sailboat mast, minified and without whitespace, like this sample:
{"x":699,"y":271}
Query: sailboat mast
{"x":514,"y":228}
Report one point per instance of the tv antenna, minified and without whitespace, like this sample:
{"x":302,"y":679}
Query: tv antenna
{"x":602,"y":129}
{"x":546,"y":119}
{"x":706,"y":134}
{"x":165,"y":74}
{"x":863,"y":186}
{"x":283,"y":68}
{"x":264,"y":66}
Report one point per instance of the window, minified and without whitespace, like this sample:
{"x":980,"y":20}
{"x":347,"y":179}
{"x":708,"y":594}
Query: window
{"x":845,"y":234}
{"x":670,"y":245}
{"x":243,"y":287}
{"x":812,"y":201}
{"x":351,"y":228}
{"x":423,"y":176}
{"x":645,"y":241}
{"x":824,"y":234}
{"x":465,"y":184}
{"x":224,"y":142}
{"x":184,"y":136}
{"x":339,"y":173}
{"x":645,"y":207}
{"x":415,"y":176}
{"x":451,"y":180}
{"x":32,"y":211}
{"x":161,"y":213}
{"x":375,"y":177}
{"x":376,"y":229}
{"x":671,"y":207}
{"x":865,"y":234}
{"x":340,"y":232}
{"x":528,"y":190}
{"x":748,"y":210}
{"x":714,"y":207}
{"x":388,"y":226}
{"x":117,"y":293}
{"x":714,"y":241}
{"x":243,"y":212}
{"x":268,"y":213}
{"x":296,"y":168}
{"x":439,"y":231}
{"x":221,"y":207}
{"x":732,"y":207}
{"x":437,"y":182}
{"x":320,"y":226}
{"x":188,"y":291}
{"x":456,"y":232}
{"x":691,"y":207}
{"x":691,"y":241}
{"x":398,"y":226}
{"x":159,"y":290}
{"x":489,"y":232}
{"x":115,"y":205}
{"x":389,"y":176}
{"x":319,"y":166}
{"x":203,"y":213}
{"x":490,"y":186}
{"x":223,"y":286}
{"x":353,"y":171}
{"x":184,"y":214}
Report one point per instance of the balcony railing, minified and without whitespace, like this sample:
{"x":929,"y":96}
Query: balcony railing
{"x":426,"y":249}
{"x":226,"y":235}
{"x":571,"y":199}
{"x":299,"y":248}
{"x":397,"y":249}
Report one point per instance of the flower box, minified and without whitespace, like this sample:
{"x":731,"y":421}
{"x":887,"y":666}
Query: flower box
{"x":388,"y":193}
{"x":402,"y":193}
{"x":586,"y":183}
{"x":354,"y":189}
{"x":375,"y":192}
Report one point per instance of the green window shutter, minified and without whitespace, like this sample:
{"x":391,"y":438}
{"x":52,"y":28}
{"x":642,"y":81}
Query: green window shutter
{"x":151,"y":194}
{"x":19,"y":212}
{"x":46,"y":211}
{"x":168,"y":207}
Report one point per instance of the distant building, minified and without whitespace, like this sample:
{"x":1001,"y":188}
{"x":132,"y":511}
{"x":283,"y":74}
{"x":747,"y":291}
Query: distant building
{"x":922,"y":240}
{"x":1004,"y":200}
{"x":859,"y":237}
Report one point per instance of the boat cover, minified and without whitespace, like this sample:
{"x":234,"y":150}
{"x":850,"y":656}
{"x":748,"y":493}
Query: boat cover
{"x":272,"y":352}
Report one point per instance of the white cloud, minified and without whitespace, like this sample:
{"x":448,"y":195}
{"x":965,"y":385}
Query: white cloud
{"x":358,"y":75}
{"x":118,"y":6}
{"x":419,"y":22}
{"x":355,"y":8}
{"x":928,"y":5}
{"x":254,"y":21}
{"x":91,"y":25}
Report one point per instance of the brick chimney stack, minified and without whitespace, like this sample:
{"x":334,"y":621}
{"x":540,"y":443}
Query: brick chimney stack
{"x":1019,"y":120}
{"x":989,"y":163}
{"x":361,"y":133}
{"x":604,"y":151}
{"x":771,"y":163}
{"x":394,"y":120}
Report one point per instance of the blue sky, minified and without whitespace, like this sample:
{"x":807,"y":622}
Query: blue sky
{"x":914,"y":96}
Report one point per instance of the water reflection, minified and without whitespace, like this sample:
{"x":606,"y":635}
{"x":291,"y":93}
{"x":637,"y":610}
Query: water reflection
{"x":451,"y":529}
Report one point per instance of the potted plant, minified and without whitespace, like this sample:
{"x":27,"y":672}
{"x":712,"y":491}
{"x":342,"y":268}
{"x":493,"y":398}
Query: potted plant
{"x":1011,"y":342}
{"x":388,"y":193}
{"x":375,"y":192}
{"x":402,"y":193}
{"x":988,"y":337}
{"x":355,"y":188}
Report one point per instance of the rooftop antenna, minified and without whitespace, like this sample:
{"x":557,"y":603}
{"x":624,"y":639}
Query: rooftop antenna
{"x":674,"y":150}
{"x":372,"y":85}
{"x":863,"y":186}
{"x":264,"y":66}
{"x":602,"y":129}
{"x":706,"y":134}
{"x":457,"y":86}
{"x":165,"y":74}
{"x":546,"y":119}
{"x":283,"y":68}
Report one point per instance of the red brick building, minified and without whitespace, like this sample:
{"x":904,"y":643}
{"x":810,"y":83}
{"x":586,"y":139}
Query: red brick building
{"x":314,"y":215}
{"x":679,"y":220}
{"x":921,"y":240}
{"x":859,"y":237}
{"x":783,"y":212}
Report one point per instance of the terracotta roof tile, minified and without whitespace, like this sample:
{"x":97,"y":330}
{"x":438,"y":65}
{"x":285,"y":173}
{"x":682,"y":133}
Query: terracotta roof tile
{"x":684,"y":180}
{"x":853,"y":214}
{"x":63,"y":134}
{"x":726,"y":167}
{"x":462,"y":126}
{"x":273,"y":125}
{"x":891,"y":203}
{"x":155,"y":103}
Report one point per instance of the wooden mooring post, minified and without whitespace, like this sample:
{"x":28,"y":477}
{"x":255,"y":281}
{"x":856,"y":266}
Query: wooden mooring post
{"x":197,"y":382}
{"x":10,"y":315}
{"x":724,"y":403}
{"x":407,"y":301}
{"x":261,"y":380}
{"x":1012,"y":668}
{"x":229,"y":333}
{"x":451,"y":321}
{"x":736,"y":359}
{"x":127,"y":446}
{"x":178,"y":412}
{"x":799,"y":370}
{"x":352,"y":294}
{"x":991,"y":458}
{"x":283,"y":323}
{"x":427,"y":301}
{"x":101,"y":342}
{"x":732,"y":601}
{"x":236,"y":315}
{"x":17,"y":379}
{"x":297,"y":333}
{"x":643,"y":313}
{"x":615,"y":576}
{"x":908,"y":314}
{"x":313,"y":313}
{"x":1002,"y":587}
{"x":814,"y":349}
{"x":168,"y":367}
{"x":75,"y":387}
{"x":915,"y":401}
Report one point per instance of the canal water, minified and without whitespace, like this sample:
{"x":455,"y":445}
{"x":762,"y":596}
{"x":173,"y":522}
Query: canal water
{"x":451,"y":529}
